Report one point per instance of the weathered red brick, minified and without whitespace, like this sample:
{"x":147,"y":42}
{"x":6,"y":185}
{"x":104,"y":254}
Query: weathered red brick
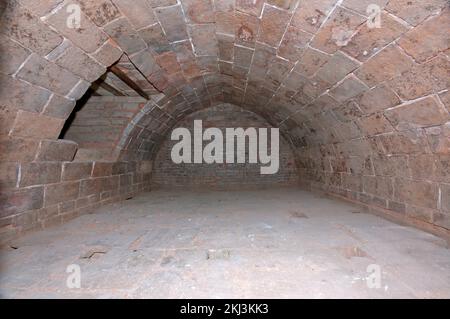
{"x":423,"y":113}
{"x":32,"y":125}
{"x":41,"y":72}
{"x":61,"y":192}
{"x":18,"y":201}
{"x":172,"y":21}
{"x":39,"y":174}
{"x":273,"y":25}
{"x":17,"y":149}
{"x":76,"y":171}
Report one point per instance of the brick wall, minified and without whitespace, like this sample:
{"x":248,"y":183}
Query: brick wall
{"x":52,"y":188}
{"x":98,"y":125}
{"x":221,"y":176}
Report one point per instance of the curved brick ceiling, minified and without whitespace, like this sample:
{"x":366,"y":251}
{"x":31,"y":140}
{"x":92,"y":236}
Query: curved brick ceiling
{"x":313,"y":67}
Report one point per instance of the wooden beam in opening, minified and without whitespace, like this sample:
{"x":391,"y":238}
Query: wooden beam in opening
{"x":107,"y":87}
{"x":125,"y":78}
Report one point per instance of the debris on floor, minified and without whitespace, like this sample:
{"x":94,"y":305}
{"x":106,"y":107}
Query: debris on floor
{"x":213,"y":254}
{"x":94,"y":252}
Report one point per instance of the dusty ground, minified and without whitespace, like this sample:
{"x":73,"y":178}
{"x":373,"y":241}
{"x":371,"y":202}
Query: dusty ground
{"x":253,"y":244}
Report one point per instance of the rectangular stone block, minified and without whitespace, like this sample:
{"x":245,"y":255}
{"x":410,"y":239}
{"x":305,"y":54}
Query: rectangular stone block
{"x":294,"y":43}
{"x":80,"y":64}
{"x":253,"y":7}
{"x":39,"y":173}
{"x":13,"y":55}
{"x":388,"y":63}
{"x":162,"y":3}
{"x":445,"y":197}
{"x":424,"y":79}
{"x":59,"y":107}
{"x":108,"y":53}
{"x":33,"y":125}
{"x":246,"y":29}
{"x":337,"y":68}
{"x":420,"y":213}
{"x":7,"y":117}
{"x":110,"y":183}
{"x":140,"y":14}
{"x":337,"y":31}
{"x":311,"y":61}
{"x":102,"y":169}
{"x":78,"y":90}
{"x":56,"y":150}
{"x":439,"y":139}
{"x":204,"y":39}
{"x":100,"y":11}
{"x":17,"y":149}
{"x":406,"y":142}
{"x":415,"y":12}
{"x":172,"y":20}
{"x":91,"y":186}
{"x":243,"y":56}
{"x":61,"y":192}
{"x":16,"y":94}
{"x":273,"y":25}
{"x":24,"y":27}
{"x":198,"y":11}
{"x":225,"y":22}
{"x":155,"y":38}
{"x":125,"y":180}
{"x":423,"y":113}
{"x":442,"y":219}
{"x":349,"y":88}
{"x":124,"y":34}
{"x":368,"y":41}
{"x":378,"y":186}
{"x":417,"y":193}
{"x":422,"y":167}
{"x":18,"y":201}
{"x":310,"y":15}
{"x":43,"y":73}
{"x":284,"y":4}
{"x":374,"y":124}
{"x":397,"y":207}
{"x":88,"y":37}
{"x":9,"y":174}
{"x":76,"y":171}
{"x":377,"y":99}
{"x":168,"y":62}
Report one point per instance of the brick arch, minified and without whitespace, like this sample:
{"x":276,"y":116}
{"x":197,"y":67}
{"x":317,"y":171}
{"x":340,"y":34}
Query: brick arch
{"x":223,"y":176}
{"x":142,"y":137}
{"x":366,"y":109}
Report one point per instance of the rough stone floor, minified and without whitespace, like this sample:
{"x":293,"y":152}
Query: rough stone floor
{"x":247,"y":244}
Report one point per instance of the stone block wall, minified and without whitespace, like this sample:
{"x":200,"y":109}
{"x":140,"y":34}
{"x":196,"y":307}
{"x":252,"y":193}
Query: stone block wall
{"x":53,"y":188}
{"x":167,"y":174}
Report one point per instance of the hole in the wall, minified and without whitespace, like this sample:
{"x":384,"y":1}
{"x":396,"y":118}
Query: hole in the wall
{"x":78,"y":107}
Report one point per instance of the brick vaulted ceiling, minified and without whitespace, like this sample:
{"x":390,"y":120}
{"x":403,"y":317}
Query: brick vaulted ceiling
{"x":365,"y":109}
{"x":314,"y":68}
